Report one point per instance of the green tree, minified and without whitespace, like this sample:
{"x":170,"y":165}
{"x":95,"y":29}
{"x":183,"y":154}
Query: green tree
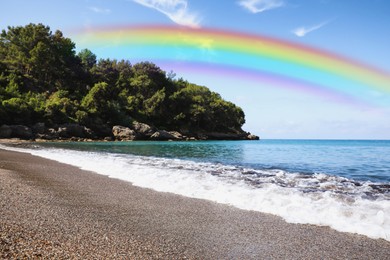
{"x":17,"y":111}
{"x":102,"y":105}
{"x":42,"y":79}
{"x":88,"y":59}
{"x":189,"y":105}
{"x":37,"y":104}
{"x":106,"y":71}
{"x":60,"y":108}
{"x":46,"y":61}
{"x":154,"y":106}
{"x":96,"y":100}
{"x":12,"y":88}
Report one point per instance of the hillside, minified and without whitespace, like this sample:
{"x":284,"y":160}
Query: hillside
{"x":45,"y":84}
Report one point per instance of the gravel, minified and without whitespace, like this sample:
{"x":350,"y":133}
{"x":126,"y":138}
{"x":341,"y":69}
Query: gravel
{"x":57,"y":211}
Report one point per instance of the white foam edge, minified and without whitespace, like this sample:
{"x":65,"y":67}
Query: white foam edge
{"x":361,"y":216}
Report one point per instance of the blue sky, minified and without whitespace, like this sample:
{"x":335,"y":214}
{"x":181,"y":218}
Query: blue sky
{"x":358,"y":29}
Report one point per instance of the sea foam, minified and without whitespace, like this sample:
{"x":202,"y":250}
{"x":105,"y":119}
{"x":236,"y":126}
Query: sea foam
{"x":318,"y":199}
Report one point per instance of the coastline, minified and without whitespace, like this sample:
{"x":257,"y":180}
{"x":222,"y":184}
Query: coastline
{"x":137,"y":131}
{"x":51,"y":209}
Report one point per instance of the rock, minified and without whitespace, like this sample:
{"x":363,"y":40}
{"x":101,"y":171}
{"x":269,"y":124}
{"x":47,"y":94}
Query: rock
{"x":89,"y":133}
{"x":21,"y":131}
{"x":177,"y":135}
{"x":227,"y":136}
{"x":50,"y":134}
{"x":162,"y":135}
{"x":39,"y":128}
{"x":252,"y":137}
{"x":202,"y":136}
{"x":76,"y":139}
{"x":123,"y":133}
{"x":143,"y":130}
{"x":223,"y":136}
{"x":5,"y":131}
{"x":99,"y":131}
{"x":71,"y":130}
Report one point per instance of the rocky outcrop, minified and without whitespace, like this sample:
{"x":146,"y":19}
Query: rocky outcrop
{"x":162,"y":135}
{"x":101,"y":131}
{"x":136,"y":131}
{"x":144,"y":131}
{"x":226,"y":136}
{"x":73,"y":130}
{"x":21,"y":131}
{"x":178,"y":136}
{"x":62,"y":132}
{"x":48,"y":134}
{"x":40,"y":131}
{"x":252,"y":137}
{"x":122,"y":133}
{"x":39,"y":128}
{"x":5,"y":131}
{"x":139,"y":131}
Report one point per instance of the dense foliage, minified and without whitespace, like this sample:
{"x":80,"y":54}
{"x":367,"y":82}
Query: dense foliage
{"x":42,"y":79}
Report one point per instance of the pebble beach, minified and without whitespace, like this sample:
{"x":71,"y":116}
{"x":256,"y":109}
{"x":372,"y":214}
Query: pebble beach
{"x":57,"y":211}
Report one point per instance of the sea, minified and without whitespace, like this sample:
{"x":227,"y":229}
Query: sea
{"x":342,"y":184}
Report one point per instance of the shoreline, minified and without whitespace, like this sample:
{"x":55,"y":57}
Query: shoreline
{"x":51,"y":209}
{"x":137,"y":131}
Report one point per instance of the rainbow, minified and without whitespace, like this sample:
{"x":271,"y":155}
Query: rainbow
{"x":288,"y":63}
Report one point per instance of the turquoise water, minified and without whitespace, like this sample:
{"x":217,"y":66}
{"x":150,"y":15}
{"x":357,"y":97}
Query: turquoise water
{"x":357,"y":160}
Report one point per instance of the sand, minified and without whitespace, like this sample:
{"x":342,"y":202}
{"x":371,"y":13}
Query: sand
{"x":53,"y":210}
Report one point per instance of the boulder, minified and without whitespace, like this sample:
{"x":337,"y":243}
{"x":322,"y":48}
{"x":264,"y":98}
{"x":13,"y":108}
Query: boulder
{"x":177,"y":135}
{"x":252,"y":137}
{"x":21,"y":131}
{"x":39,"y":128}
{"x":89,"y":133}
{"x":143,"y":130}
{"x":99,"y":131}
{"x":5,"y":131}
{"x":162,"y":135}
{"x":71,"y":130}
{"x":52,"y":132}
{"x":201,"y":136}
{"x":123,"y":133}
{"x":108,"y":139}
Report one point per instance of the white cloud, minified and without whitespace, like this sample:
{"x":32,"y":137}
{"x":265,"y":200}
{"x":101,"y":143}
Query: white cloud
{"x":302,"y":31}
{"x":258,"y":6}
{"x":99,"y":10}
{"x":176,"y":10}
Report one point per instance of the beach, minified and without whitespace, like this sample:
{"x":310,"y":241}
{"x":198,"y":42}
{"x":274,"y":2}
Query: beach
{"x":53,"y":210}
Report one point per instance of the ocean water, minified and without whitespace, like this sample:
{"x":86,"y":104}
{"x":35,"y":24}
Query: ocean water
{"x":341,"y":184}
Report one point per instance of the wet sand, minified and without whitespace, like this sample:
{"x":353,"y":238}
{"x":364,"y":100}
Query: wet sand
{"x":53,"y":210}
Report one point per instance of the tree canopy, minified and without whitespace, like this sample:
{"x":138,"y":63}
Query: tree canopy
{"x":43,"y":79}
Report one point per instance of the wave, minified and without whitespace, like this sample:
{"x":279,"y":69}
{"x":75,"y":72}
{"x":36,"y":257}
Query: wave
{"x":361,"y":207}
